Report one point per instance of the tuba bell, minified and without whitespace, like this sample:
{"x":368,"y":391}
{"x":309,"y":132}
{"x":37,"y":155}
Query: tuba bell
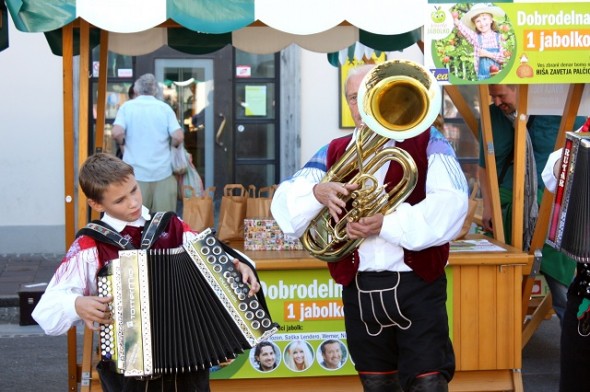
{"x":397,"y":100}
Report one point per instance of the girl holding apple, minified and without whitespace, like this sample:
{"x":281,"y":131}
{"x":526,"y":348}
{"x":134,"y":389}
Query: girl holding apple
{"x":480,"y":30}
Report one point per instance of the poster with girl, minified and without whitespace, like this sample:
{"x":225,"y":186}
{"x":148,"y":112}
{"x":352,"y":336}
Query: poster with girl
{"x":479,"y":27}
{"x":508,"y":42}
{"x":474,"y":42}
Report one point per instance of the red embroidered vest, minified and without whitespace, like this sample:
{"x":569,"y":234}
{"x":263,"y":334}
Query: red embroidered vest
{"x":429,"y":263}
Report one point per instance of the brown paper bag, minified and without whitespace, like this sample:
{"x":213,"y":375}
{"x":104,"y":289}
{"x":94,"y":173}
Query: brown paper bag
{"x":258,"y":204}
{"x":198,"y":211}
{"x":232,"y":213}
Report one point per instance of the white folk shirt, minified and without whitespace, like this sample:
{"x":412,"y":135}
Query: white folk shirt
{"x":434,"y":221}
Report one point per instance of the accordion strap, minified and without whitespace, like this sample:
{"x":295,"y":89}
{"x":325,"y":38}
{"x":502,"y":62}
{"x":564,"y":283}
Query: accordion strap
{"x":102,"y":231}
{"x":155,"y":227}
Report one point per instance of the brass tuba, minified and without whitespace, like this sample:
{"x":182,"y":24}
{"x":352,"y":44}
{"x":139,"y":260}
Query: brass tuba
{"x":398,"y":99}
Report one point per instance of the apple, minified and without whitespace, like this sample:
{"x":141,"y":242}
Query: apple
{"x":494,"y":69}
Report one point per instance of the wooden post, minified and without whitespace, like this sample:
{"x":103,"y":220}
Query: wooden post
{"x":490,"y":160}
{"x":102,"y":91}
{"x":519,"y":168}
{"x":83,"y":139}
{"x":102,"y":94}
{"x":69,"y":186}
{"x":83,"y":114}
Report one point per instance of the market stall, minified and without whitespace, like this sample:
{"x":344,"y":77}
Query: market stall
{"x":484,"y":280}
{"x":484,"y":294}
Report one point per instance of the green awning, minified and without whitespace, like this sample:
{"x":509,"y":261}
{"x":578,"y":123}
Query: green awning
{"x":202,"y":26}
{"x":375,"y":43}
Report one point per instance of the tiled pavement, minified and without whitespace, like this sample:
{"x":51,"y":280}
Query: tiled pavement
{"x":17,"y":270}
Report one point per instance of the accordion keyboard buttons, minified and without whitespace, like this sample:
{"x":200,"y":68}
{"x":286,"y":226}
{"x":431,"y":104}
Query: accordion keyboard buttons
{"x":214,"y":255}
{"x":107,"y":345}
{"x":106,"y":331}
{"x":266,"y":323}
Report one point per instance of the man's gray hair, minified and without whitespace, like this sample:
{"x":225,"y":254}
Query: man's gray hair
{"x":146,"y":85}
{"x":359,"y":69}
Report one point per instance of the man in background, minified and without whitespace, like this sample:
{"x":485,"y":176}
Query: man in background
{"x":557,"y":268}
{"x":145,"y":128}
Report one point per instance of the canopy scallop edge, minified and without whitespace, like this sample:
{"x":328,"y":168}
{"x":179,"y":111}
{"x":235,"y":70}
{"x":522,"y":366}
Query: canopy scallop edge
{"x":257,"y":26}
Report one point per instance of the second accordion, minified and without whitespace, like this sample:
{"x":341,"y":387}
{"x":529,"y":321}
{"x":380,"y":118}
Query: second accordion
{"x":569,"y":226}
{"x":179,"y":310}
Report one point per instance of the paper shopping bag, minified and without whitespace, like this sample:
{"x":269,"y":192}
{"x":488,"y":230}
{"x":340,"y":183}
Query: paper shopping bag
{"x":197,"y":210}
{"x":232,"y":213}
{"x":258,"y":204}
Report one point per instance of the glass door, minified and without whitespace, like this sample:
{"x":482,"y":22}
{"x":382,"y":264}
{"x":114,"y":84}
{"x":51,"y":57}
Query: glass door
{"x":188,"y":87}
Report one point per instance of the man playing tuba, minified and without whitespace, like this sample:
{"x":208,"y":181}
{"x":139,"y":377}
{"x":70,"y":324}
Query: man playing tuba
{"x":394,"y":285}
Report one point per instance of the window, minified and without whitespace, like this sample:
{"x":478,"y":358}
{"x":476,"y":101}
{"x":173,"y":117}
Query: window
{"x":120,"y":78}
{"x":256,"y":119}
{"x":464,"y":142}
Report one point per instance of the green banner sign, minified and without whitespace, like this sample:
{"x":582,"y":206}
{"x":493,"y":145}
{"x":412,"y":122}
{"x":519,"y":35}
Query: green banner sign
{"x":510,"y":43}
{"x":307,"y":304}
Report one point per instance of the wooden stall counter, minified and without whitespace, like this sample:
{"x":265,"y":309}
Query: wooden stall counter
{"x":484,"y":278}
{"x":486,"y":314}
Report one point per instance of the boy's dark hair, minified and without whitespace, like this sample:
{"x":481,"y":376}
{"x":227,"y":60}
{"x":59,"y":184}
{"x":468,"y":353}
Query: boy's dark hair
{"x":101,"y":170}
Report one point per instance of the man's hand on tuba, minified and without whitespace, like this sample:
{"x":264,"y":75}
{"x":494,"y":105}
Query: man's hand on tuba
{"x":365,"y":227}
{"x":330,"y":194}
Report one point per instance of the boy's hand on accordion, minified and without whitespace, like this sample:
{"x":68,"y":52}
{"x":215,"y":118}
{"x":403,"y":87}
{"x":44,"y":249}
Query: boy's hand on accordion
{"x":93,"y":309}
{"x":248,"y":277}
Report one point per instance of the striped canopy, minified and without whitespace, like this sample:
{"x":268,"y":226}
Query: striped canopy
{"x":257,"y":26}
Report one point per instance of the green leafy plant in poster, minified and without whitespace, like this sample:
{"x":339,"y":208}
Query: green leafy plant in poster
{"x":456,"y":53}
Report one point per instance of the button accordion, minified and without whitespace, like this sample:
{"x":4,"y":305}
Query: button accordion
{"x":569,"y":227}
{"x":179,"y":310}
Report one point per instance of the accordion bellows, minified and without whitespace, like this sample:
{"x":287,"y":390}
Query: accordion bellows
{"x":179,"y":310}
{"x":569,"y":228}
